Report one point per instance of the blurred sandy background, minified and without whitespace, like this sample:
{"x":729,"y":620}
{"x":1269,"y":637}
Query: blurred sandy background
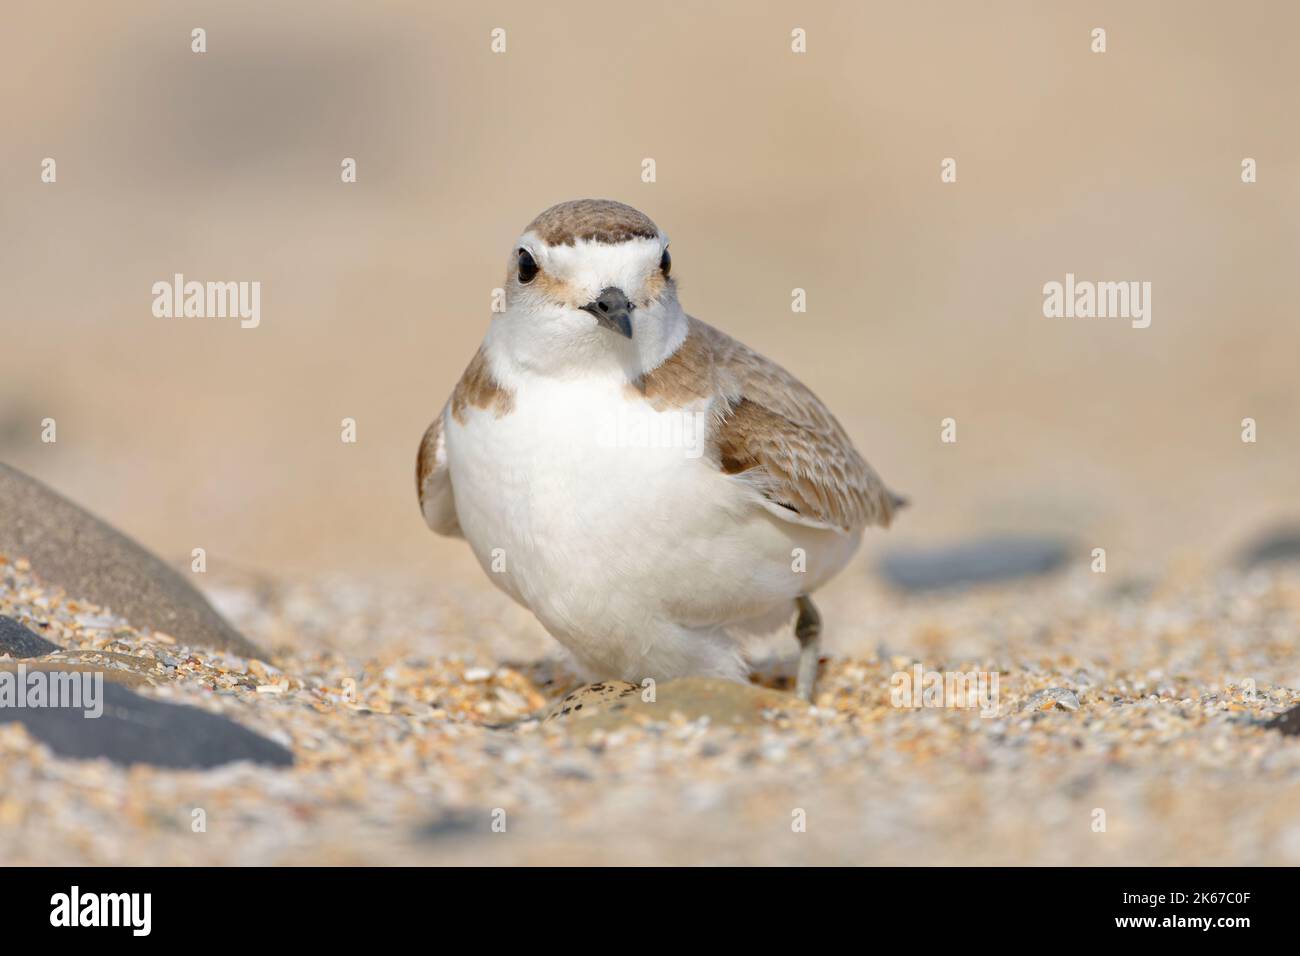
{"x":775,"y":170}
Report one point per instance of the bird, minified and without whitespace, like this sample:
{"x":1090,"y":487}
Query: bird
{"x":655,"y":492}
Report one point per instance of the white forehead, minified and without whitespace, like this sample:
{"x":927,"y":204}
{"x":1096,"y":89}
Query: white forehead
{"x":595,"y":265}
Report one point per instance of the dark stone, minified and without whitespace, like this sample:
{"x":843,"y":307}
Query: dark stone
{"x":453,"y":823}
{"x":71,"y":548}
{"x":1281,"y":544}
{"x":1287,"y":722}
{"x":139,"y":730}
{"x":981,"y":561}
{"x":18,"y":641}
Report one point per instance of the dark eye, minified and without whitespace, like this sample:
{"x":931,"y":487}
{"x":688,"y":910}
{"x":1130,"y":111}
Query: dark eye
{"x":527,"y":266}
{"x":666,"y":263}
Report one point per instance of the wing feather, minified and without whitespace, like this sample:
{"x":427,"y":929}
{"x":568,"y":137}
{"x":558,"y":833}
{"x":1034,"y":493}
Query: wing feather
{"x":772,"y":432}
{"x":433,"y":481}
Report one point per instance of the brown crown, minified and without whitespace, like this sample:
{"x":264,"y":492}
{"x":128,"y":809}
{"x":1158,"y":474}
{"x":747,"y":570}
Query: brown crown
{"x":595,"y":220}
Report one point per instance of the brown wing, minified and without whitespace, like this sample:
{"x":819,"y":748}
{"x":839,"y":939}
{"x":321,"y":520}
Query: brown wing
{"x":433,"y":481}
{"x":774,"y":433}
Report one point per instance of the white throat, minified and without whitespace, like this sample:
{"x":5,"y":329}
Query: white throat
{"x":518,"y":345}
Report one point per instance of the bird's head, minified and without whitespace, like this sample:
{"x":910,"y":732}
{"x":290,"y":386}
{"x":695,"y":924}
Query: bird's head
{"x":589,"y":282}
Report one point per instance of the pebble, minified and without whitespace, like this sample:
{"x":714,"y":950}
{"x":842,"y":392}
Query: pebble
{"x":20,"y":642}
{"x":1287,"y":723}
{"x":70,"y":547}
{"x":1278,"y":545}
{"x":986,"y":560}
{"x":1054,"y":697}
{"x":132,"y":729}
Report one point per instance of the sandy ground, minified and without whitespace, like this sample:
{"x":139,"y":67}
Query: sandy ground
{"x":414,"y":725}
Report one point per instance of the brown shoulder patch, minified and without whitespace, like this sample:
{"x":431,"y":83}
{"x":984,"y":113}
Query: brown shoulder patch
{"x":685,"y":376}
{"x":433,"y":481}
{"x":736,"y":445}
{"x":594,"y":220}
{"x":478,"y":388}
{"x":427,"y":458}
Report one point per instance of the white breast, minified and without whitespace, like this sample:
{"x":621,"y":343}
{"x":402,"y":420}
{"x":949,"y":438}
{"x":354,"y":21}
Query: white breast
{"x":604,"y":517}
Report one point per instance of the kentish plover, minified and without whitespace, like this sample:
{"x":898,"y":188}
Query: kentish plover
{"x":646,"y":558}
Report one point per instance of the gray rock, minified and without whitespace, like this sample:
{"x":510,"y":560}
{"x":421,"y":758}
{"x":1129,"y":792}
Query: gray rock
{"x":18,"y":641}
{"x":139,"y":730}
{"x":1281,"y":544}
{"x":71,"y":548}
{"x":1286,"y":723}
{"x":453,"y":823}
{"x":980,"y":561}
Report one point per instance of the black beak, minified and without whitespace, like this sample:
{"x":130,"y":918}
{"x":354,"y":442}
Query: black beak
{"x":613,"y":311}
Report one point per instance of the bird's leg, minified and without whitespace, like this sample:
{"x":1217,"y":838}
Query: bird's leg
{"x":808,"y":629}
